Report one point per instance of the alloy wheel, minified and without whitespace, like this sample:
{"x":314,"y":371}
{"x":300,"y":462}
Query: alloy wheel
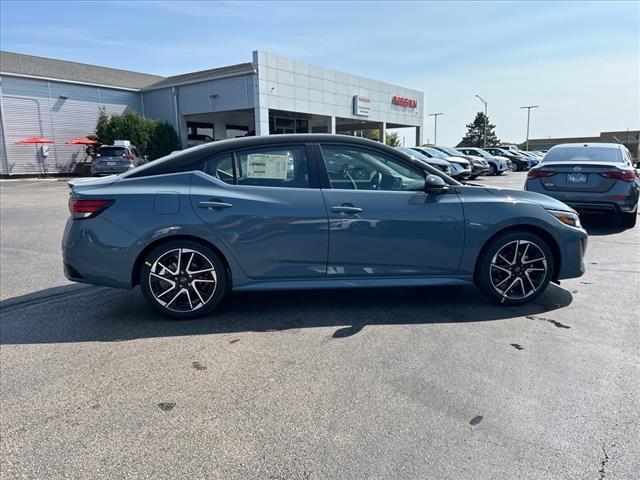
{"x":518,"y":269}
{"x":182,"y":280}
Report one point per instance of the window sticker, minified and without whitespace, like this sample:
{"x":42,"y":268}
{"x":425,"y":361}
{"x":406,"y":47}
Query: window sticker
{"x":272,"y":166}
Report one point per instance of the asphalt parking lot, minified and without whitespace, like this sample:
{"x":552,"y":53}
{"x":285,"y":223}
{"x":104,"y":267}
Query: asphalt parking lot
{"x":378,"y":384}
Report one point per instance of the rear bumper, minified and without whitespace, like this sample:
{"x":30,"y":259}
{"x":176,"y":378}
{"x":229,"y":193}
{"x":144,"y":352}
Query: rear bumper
{"x":108,"y":169}
{"x":612,"y":201}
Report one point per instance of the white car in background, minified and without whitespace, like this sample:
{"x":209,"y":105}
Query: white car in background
{"x":499,"y":165}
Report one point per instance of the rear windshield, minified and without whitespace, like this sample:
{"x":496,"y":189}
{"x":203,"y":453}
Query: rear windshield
{"x":583,"y":154}
{"x":112,"y":151}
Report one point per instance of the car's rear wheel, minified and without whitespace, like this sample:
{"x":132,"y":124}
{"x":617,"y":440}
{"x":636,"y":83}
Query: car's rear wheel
{"x":183,"y":279}
{"x":515,"y":268}
{"x":628,"y":220}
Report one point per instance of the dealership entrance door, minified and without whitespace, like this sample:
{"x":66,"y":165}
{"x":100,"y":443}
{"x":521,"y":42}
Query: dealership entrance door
{"x":282,"y":121}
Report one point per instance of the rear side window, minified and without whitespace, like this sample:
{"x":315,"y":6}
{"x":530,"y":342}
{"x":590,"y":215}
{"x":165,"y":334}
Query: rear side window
{"x":583,"y":154}
{"x":221,"y":167}
{"x":278,"y":166}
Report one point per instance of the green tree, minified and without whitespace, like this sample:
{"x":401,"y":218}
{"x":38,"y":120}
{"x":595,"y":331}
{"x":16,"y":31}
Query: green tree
{"x":154,"y":139}
{"x":164,"y":140}
{"x":393,"y":139}
{"x":475,"y":133}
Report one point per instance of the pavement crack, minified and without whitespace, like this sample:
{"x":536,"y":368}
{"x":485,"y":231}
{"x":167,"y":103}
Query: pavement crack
{"x":603,"y":464}
{"x":550,"y":320}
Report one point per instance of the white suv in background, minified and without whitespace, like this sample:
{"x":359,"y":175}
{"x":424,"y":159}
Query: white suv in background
{"x":498,"y":165}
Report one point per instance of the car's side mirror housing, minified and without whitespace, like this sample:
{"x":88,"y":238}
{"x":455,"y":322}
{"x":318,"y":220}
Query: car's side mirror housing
{"x":434,"y":184}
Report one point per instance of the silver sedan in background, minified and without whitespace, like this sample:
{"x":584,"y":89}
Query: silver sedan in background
{"x":590,"y":177}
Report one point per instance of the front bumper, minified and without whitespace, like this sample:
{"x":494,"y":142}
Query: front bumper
{"x":573,"y":248}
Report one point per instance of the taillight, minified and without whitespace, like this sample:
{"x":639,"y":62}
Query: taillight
{"x":127,"y":156}
{"x":81,"y":209}
{"x":538,"y":173}
{"x":625,"y":175}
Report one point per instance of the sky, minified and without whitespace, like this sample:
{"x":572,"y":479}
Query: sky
{"x":579,"y":61}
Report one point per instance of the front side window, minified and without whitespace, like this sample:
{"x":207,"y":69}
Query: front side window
{"x":355,"y":168}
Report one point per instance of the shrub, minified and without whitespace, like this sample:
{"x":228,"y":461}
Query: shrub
{"x":153,"y":138}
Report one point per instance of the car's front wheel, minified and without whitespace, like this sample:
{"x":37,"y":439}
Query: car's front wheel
{"x":183,"y":279}
{"x":515,"y":268}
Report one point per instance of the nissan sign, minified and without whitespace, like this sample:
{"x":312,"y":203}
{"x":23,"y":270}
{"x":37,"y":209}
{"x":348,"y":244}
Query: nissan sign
{"x":361,"y":105}
{"x":404,"y":102}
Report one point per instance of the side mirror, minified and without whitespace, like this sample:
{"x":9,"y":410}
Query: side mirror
{"x":435,"y":184}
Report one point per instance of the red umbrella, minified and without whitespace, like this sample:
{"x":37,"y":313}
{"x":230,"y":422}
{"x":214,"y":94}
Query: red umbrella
{"x":36,"y":140}
{"x":82,"y":141}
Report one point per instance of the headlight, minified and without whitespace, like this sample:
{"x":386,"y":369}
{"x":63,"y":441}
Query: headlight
{"x":568,"y":218}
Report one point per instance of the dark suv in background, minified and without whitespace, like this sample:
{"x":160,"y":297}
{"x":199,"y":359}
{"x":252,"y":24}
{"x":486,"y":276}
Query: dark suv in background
{"x":114,"y":159}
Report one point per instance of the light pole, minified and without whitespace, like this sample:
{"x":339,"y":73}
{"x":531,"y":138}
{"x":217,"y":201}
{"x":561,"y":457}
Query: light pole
{"x":484,"y":140}
{"x":529,"y":107}
{"x":435,"y":127}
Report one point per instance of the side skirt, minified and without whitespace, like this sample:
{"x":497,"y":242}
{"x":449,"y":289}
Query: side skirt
{"x":306,"y":284}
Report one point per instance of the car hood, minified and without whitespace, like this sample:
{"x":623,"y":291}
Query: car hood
{"x":522,"y":196}
{"x":459,"y":161}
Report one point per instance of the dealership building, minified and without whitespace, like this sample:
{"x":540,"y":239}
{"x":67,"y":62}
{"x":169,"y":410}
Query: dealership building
{"x":61,"y":100}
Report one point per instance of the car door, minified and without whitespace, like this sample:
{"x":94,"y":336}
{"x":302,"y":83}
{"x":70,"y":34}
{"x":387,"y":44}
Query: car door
{"x":381,"y":223}
{"x":265,"y":205}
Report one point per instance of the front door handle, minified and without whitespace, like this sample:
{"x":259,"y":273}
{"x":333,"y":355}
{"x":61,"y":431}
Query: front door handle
{"x":348,"y":209}
{"x":212,"y":205}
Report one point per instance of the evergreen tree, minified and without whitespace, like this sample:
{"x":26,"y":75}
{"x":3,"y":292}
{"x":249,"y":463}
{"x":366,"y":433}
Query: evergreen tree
{"x":475,"y":133}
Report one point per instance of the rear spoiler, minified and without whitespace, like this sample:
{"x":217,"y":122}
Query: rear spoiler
{"x":80,"y":184}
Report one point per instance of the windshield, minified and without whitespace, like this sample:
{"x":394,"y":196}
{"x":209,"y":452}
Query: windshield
{"x":450,"y":151}
{"x":415,"y":154}
{"x":583,"y":154}
{"x":435,"y":152}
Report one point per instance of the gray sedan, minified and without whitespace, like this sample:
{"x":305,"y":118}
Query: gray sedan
{"x":310,"y":211}
{"x":590,"y":177}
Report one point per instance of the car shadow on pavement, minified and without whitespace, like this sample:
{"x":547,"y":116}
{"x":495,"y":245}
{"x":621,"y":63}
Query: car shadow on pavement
{"x":94,"y":314}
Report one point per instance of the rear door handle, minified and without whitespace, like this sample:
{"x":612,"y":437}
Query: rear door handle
{"x":214,"y":205}
{"x":348,"y":209}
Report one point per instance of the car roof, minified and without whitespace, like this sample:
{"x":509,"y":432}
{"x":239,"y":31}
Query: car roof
{"x":193,"y":155}
{"x":589,"y":145}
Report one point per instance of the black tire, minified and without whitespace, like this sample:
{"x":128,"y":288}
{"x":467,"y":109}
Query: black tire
{"x":484,"y":269}
{"x":628,"y":220}
{"x":473,"y":177}
{"x":493,"y":170}
{"x":184,"y":280}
